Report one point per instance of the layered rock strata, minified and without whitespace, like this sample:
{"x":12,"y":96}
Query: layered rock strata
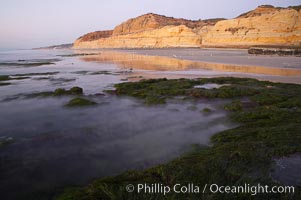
{"x":266,"y":25}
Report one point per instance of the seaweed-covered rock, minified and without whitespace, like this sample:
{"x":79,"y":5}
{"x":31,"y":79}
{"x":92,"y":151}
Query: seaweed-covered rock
{"x":207,"y":110}
{"x":76,"y":90}
{"x":61,"y":92}
{"x":8,"y":78}
{"x":79,"y":102}
{"x":4,"y":78}
{"x":268,"y":117}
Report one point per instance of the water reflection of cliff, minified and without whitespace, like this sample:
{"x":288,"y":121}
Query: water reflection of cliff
{"x":157,"y":63}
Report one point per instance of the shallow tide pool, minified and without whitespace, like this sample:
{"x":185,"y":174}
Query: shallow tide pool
{"x":46,"y":145}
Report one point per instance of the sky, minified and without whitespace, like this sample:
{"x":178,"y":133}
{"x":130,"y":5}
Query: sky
{"x":36,"y":23}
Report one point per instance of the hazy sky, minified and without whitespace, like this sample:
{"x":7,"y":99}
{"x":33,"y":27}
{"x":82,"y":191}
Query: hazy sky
{"x":33,"y":23}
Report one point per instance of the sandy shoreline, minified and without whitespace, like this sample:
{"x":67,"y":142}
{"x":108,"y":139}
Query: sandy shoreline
{"x":193,"y":63}
{"x":223,"y":56}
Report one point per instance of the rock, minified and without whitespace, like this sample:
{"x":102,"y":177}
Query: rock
{"x":59,"y":92}
{"x":72,"y":91}
{"x":263,"y":26}
{"x":4,"y":78}
{"x":79,"y":102}
{"x":207,"y":110}
{"x":152,"y":21}
{"x":169,"y":36}
{"x":148,"y":31}
{"x":266,"y":25}
{"x":95,"y":36}
{"x":281,"y":51}
{"x":76,"y":91}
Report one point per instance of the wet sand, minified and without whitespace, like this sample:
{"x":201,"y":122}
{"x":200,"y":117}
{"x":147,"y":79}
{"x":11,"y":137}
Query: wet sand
{"x":194,"y":63}
{"x":223,"y":56}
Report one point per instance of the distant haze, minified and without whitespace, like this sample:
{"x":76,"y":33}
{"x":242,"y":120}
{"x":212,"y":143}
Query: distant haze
{"x":35,"y":23}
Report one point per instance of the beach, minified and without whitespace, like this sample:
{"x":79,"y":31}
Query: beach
{"x":118,"y":133}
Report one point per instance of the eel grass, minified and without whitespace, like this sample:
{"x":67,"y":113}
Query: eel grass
{"x":269,"y":128}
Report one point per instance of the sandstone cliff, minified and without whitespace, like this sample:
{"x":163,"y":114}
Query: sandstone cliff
{"x":168,"y":36}
{"x":266,"y":25}
{"x":153,"y":21}
{"x":149,"y":31}
{"x":95,"y":35}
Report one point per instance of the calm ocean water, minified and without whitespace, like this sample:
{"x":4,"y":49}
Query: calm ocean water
{"x":48,"y":146}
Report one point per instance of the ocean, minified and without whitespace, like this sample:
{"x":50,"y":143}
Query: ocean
{"x":46,"y":146}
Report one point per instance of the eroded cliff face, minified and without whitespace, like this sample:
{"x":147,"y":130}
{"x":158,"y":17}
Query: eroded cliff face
{"x":153,"y":21}
{"x":263,"y":26}
{"x":149,"y":31}
{"x":95,"y":36}
{"x":168,"y":36}
{"x":266,"y":25}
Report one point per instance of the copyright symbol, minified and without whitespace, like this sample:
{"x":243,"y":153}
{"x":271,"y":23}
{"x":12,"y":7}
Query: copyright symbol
{"x":130,"y":188}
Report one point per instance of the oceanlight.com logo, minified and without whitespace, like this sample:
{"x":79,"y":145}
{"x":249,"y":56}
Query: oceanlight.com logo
{"x":158,"y":188}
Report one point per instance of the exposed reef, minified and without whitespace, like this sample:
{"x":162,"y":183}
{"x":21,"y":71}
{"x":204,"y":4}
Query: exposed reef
{"x":276,"y":50}
{"x":269,"y":115}
{"x":80,"y":102}
{"x":29,"y":63}
{"x":8,"y":78}
{"x":58,"y":92}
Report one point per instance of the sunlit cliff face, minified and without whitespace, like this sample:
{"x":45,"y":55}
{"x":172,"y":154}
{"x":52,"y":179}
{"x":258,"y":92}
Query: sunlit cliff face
{"x":266,"y":25}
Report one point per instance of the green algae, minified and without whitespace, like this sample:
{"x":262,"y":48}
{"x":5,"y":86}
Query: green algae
{"x":164,"y":89}
{"x":30,"y":63}
{"x":74,"y":91}
{"x":37,"y":74}
{"x":270,"y":128}
{"x":58,"y":92}
{"x":80,"y":102}
{"x":4,"y":84}
{"x":4,"y":78}
{"x":8,"y":78}
{"x":235,"y":105}
{"x":207,"y":110}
